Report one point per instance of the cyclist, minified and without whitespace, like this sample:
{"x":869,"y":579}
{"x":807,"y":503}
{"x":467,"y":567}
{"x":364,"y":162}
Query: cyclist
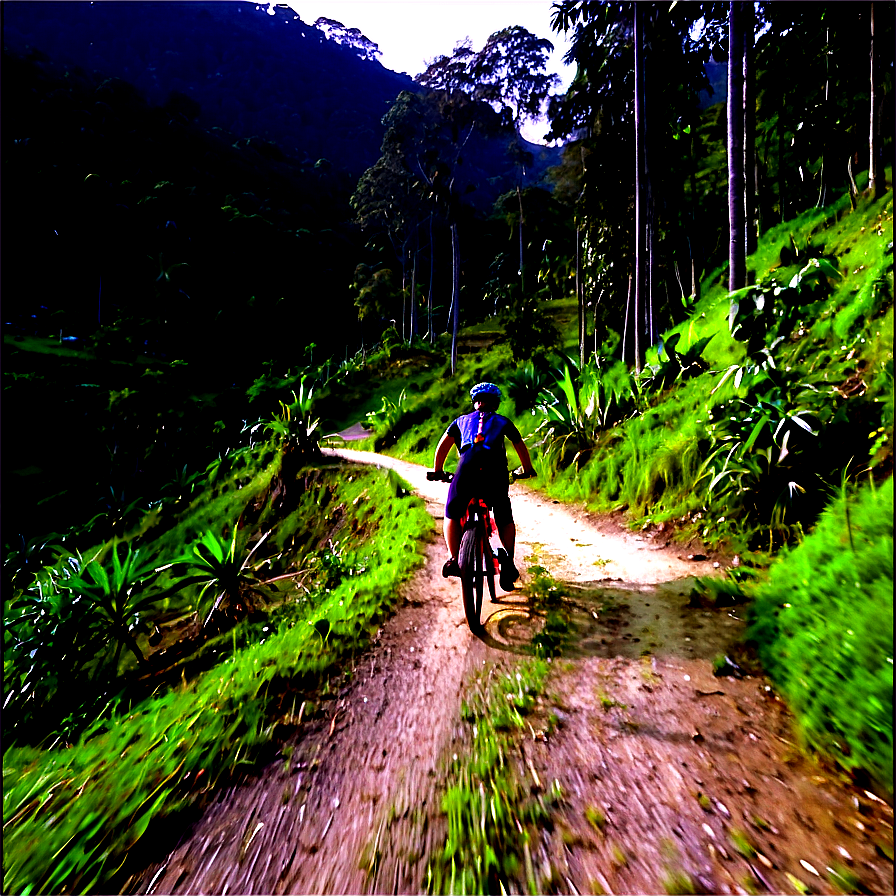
{"x":482,"y":472}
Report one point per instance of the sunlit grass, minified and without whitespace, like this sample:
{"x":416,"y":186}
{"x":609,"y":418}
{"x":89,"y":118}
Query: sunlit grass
{"x":493,"y":817}
{"x":823,"y":626}
{"x":71,"y":816}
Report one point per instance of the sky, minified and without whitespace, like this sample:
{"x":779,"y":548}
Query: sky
{"x":411,"y":33}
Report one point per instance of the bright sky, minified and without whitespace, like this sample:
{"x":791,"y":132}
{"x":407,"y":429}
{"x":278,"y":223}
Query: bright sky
{"x":411,"y":33}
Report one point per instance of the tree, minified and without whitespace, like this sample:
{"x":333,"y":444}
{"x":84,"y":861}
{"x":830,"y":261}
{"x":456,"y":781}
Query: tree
{"x":507,"y":74}
{"x":636,"y":120}
{"x":877,"y":177}
{"x":751,"y":187}
{"x":348,"y":37}
{"x":640,"y":186}
{"x":736,"y":183}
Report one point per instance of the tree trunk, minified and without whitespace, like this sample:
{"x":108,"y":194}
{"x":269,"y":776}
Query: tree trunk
{"x":877,"y":178}
{"x":782,"y":198}
{"x":736,"y":184}
{"x":694,"y":236}
{"x":652,"y":263}
{"x":404,"y":292}
{"x":628,"y":304}
{"x":522,"y":277}
{"x":455,"y":294}
{"x":640,"y":184}
{"x":580,"y":293}
{"x":432,"y":257}
{"x":823,"y":186}
{"x":751,"y":189}
{"x":413,"y":334}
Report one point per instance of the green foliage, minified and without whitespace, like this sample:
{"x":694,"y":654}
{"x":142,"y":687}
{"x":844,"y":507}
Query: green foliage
{"x":675,"y":365}
{"x":530,"y":330}
{"x":389,"y":412}
{"x":579,"y":408}
{"x":71,"y":816}
{"x":823,"y":626}
{"x":22,"y":561}
{"x":525,"y":385}
{"x":51,"y":643}
{"x":118,"y":593}
{"x":294,"y":426}
{"x":219,"y":568}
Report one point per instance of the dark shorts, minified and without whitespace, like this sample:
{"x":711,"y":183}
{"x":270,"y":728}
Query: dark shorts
{"x":469,"y":482}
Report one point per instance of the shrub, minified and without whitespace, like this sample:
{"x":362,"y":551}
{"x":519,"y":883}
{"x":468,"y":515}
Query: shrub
{"x":823,"y":625}
{"x":530,"y":331}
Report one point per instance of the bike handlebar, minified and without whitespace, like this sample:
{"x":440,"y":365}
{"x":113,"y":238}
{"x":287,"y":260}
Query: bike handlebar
{"x":521,"y":474}
{"x":444,"y":476}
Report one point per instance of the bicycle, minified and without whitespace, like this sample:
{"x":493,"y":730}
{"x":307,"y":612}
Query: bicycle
{"x":477,"y":561}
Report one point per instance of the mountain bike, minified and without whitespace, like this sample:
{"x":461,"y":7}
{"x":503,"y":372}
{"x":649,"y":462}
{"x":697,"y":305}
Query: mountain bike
{"x":478,"y":562}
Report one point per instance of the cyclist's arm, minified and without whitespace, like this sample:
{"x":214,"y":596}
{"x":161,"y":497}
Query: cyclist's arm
{"x":525,"y":460}
{"x":445,"y":445}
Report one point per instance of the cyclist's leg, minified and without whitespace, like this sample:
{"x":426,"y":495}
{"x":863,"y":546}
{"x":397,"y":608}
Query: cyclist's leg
{"x":455,"y":506}
{"x":503,"y":514}
{"x":507,"y":536}
{"x":452,"y":532}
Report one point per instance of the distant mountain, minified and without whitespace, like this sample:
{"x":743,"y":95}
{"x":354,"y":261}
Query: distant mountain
{"x":717,"y":72}
{"x":230,"y":65}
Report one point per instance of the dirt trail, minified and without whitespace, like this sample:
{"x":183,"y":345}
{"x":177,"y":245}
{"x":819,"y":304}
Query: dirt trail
{"x":665,"y":769}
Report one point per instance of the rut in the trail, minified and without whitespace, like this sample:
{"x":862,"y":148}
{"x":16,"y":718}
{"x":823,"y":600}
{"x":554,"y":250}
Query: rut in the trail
{"x":679,"y":765}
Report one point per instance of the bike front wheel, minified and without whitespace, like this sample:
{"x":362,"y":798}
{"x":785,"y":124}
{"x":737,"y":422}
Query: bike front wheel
{"x":472,"y":575}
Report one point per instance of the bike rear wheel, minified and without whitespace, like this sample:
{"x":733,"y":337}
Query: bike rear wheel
{"x":472,"y":574}
{"x":488,"y":558}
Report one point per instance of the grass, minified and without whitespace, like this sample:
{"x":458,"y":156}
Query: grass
{"x":492,"y":814}
{"x":823,"y":626}
{"x":73,"y":816}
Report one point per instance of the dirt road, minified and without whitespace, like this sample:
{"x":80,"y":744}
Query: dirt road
{"x":673,"y":780}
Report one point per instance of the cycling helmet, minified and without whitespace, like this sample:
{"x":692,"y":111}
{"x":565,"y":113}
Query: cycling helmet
{"x":482,"y":389}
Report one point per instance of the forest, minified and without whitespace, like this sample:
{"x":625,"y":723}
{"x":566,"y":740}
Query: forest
{"x":688,"y":302}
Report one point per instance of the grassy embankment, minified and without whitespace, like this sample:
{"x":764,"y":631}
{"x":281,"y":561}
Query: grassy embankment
{"x":74,"y":814}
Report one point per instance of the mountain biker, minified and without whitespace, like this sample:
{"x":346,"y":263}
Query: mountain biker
{"x":482,"y":472}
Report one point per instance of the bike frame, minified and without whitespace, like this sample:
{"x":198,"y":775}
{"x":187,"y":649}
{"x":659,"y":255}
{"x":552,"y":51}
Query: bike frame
{"x":476,"y":560}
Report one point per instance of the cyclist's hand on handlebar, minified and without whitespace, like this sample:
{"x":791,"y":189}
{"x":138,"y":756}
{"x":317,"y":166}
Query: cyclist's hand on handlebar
{"x":520,"y":473}
{"x":438,"y":476}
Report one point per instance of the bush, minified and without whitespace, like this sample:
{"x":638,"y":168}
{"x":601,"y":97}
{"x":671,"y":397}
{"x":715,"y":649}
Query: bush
{"x":823,"y":625}
{"x":530,"y":331}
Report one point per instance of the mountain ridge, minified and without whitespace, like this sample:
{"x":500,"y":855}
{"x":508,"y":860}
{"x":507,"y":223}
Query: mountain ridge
{"x":230,"y":65}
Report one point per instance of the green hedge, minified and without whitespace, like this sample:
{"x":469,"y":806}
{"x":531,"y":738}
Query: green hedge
{"x":823,"y":625}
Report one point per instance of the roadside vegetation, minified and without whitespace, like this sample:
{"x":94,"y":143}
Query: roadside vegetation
{"x":235,"y":599}
{"x":754,"y":420}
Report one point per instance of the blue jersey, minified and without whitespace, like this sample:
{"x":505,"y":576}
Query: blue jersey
{"x":487,"y":430}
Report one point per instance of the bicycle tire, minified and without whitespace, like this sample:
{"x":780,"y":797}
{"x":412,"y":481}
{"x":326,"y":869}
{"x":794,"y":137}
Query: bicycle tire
{"x":489,"y":563}
{"x":471,"y":574}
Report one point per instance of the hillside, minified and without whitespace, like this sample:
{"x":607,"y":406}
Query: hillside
{"x":230,"y":66}
{"x":810,"y":344}
{"x":207,"y":295}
